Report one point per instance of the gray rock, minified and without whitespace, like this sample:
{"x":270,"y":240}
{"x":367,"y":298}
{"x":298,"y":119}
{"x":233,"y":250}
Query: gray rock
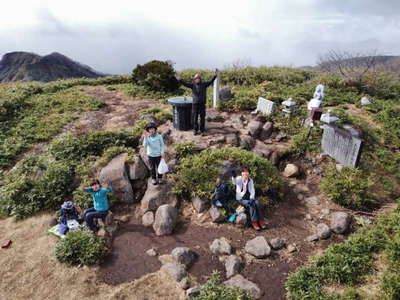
{"x":258,"y":247}
{"x":172,"y":163}
{"x":175,"y":270}
{"x":184,"y":283}
{"x":233,"y":265}
{"x":247,"y":142}
{"x":313,"y":201}
{"x":151,"y":252}
{"x":339,"y":167}
{"x":241,"y":219}
{"x":277,"y":243}
{"x":200,"y":205}
{"x":254,"y":128}
{"x":291,"y":248}
{"x":312,"y":238}
{"x":144,"y":157}
{"x":216,"y":216}
{"x":138,"y":170}
{"x":148,"y":219}
{"x":266,"y":131}
{"x":241,"y":282}
{"x":291,"y":170}
{"x":165,"y":220}
{"x":340,"y":222}
{"x":365,"y":101}
{"x":192,"y":292}
{"x":157,"y":195}
{"x":280,"y":137}
{"x":275,"y":158}
{"x":184,"y":256}
{"x":221,"y":246}
{"x":232,"y":139}
{"x":323,"y":231}
{"x":225,"y":94}
{"x":115,"y":175}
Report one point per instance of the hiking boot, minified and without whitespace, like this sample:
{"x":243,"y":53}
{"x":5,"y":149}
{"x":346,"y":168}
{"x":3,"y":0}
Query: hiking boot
{"x":203,"y":133}
{"x":154,"y":182}
{"x":195,"y":132}
{"x":255,"y":226}
{"x":262,"y":224}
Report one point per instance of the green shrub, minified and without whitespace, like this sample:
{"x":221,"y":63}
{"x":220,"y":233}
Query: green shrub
{"x":197,"y":174}
{"x":184,"y":149}
{"x":214,"y":289}
{"x":159,"y":114}
{"x":156,"y":76}
{"x":80,"y":247}
{"x":306,"y":141}
{"x":391,"y":286}
{"x":351,"y":187}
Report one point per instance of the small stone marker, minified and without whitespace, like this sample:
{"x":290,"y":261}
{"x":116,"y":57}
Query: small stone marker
{"x":265,"y":106}
{"x":341,"y":145}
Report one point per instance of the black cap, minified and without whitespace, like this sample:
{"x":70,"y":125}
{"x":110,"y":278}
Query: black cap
{"x":151,"y":125}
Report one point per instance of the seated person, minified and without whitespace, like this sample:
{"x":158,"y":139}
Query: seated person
{"x":69,"y":217}
{"x":245,"y":195}
{"x":221,"y":195}
{"x":100,"y":203}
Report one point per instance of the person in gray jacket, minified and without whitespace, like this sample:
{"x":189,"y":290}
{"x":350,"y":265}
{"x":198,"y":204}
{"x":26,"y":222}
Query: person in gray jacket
{"x":199,"y":95}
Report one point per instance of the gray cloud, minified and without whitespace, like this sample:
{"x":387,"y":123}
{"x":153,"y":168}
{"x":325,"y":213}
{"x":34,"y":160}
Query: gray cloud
{"x":292,"y":34}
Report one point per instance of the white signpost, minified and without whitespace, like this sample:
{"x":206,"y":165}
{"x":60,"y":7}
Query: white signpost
{"x":216,"y":91}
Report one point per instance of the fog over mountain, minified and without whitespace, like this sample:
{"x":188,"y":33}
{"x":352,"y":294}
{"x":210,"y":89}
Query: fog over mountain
{"x":114,"y":36}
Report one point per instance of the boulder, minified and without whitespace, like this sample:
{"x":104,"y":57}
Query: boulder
{"x":247,"y":142}
{"x":312,"y":238}
{"x":215,"y":214}
{"x":166,"y":259}
{"x":258,"y":247}
{"x":184,"y":256}
{"x":266,"y":131}
{"x":199,"y":204}
{"x":175,"y":270}
{"x":254,"y":128}
{"x":221,"y":246}
{"x":138,"y":170}
{"x":115,"y":174}
{"x":291,"y":248}
{"x":241,"y":282}
{"x":144,"y":157}
{"x":148,"y":219}
{"x":165,"y":220}
{"x":225,"y":94}
{"x":232,"y":139}
{"x":214,"y":116}
{"x":280,"y":137}
{"x":277,"y":243}
{"x":340,"y":222}
{"x":291,"y":170}
{"x":157,"y":195}
{"x":323,"y":231}
{"x":233,"y":265}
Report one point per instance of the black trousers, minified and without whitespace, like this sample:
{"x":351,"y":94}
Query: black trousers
{"x":154,"y":162}
{"x":199,"y":109}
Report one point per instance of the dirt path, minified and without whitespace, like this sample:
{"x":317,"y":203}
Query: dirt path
{"x":287,"y":220}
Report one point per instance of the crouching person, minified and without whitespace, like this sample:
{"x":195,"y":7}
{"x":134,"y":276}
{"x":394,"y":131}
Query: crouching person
{"x":245,"y":195}
{"x":221,"y":195}
{"x":100,"y":203}
{"x":154,"y":144}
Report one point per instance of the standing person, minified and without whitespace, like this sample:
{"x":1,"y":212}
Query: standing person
{"x":199,"y":94}
{"x":154,"y":144}
{"x":245,"y":195}
{"x":100,"y":203}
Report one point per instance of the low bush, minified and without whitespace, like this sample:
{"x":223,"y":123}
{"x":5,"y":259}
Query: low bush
{"x":390,"y":288}
{"x":197,"y":174}
{"x":80,"y":247}
{"x":350,"y":188}
{"x":156,"y":76}
{"x":159,"y":114}
{"x":306,"y":141}
{"x":183,"y":150}
{"x":214,"y":289}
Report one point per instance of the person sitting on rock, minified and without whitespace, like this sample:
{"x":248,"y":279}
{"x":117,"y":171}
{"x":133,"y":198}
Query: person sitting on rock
{"x":199,"y":95}
{"x":245,"y":195}
{"x":221,"y":195}
{"x":154,"y":144}
{"x":100,"y":203}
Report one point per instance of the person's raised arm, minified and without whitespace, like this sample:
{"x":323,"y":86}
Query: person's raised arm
{"x":185,"y":83}
{"x":86,"y":190}
{"x":145,"y":141}
{"x":209,"y":82}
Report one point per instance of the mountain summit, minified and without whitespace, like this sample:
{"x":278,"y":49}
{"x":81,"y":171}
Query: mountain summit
{"x":25,"y":66}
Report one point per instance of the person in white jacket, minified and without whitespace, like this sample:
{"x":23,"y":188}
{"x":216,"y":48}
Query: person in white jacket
{"x":245,"y":195}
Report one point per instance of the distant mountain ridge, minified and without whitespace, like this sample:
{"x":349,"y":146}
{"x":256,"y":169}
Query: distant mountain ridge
{"x":26,"y":66}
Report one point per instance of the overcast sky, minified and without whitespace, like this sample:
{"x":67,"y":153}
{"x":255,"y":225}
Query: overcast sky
{"x":113,"y":36}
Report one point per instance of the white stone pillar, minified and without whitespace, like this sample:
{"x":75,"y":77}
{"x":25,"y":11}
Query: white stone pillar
{"x":216,"y":91}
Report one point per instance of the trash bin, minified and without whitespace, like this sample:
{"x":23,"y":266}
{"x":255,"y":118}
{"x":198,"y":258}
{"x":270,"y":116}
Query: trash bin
{"x":182,"y":112}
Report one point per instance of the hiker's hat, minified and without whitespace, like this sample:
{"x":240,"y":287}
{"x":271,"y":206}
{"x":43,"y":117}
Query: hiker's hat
{"x":151,"y":125}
